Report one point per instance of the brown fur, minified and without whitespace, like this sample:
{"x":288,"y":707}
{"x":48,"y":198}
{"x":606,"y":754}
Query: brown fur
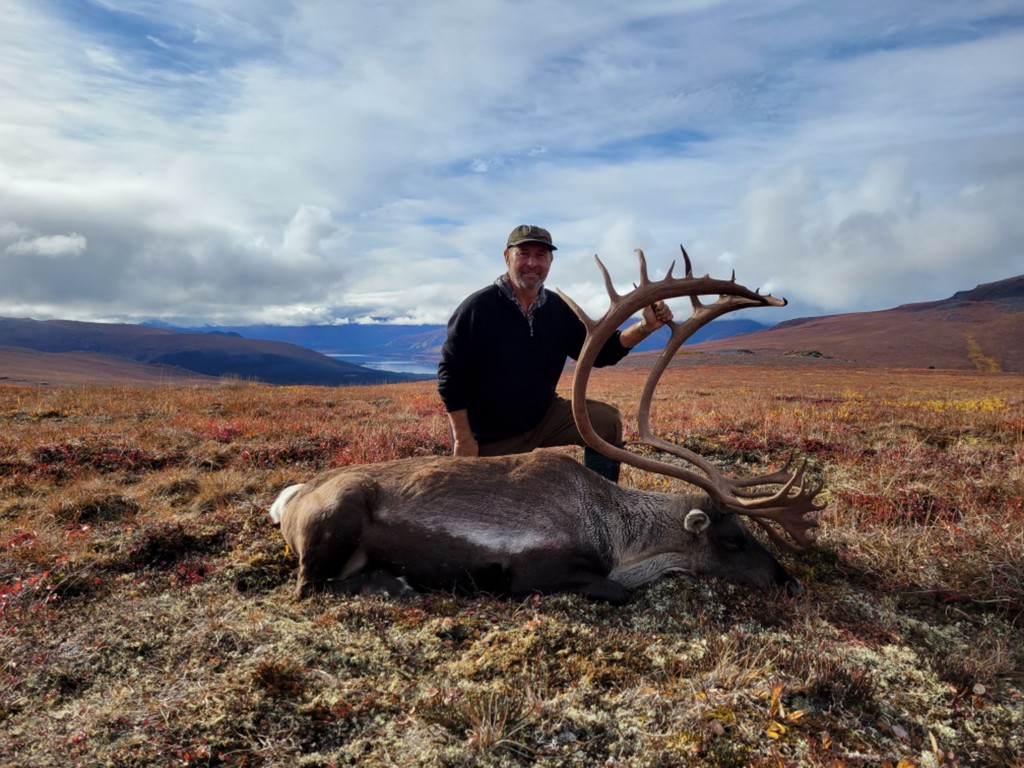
{"x":509,"y":525}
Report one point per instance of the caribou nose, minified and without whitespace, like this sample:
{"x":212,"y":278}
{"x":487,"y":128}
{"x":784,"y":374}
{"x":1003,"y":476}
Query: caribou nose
{"x":794,"y":588}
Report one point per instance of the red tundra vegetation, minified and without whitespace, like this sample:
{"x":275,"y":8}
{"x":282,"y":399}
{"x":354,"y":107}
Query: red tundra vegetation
{"x":147,"y":613}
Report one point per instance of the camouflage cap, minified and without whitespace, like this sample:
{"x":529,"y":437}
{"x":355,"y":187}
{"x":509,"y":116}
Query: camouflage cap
{"x":528,"y":233}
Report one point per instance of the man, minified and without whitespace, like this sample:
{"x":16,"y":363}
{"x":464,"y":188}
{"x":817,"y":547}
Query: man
{"x":505,"y":351}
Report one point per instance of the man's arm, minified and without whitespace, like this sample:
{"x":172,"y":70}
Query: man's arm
{"x":652,"y":319}
{"x":465,"y":443}
{"x":633,"y":335}
{"x":453,"y":379}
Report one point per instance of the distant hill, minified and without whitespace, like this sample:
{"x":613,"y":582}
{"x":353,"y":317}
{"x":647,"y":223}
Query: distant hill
{"x":417,"y":342}
{"x":979,"y":329}
{"x":28,"y":366}
{"x":341,"y":339}
{"x":206,"y":354}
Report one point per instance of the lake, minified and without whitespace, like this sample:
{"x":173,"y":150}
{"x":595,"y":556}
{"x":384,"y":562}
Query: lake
{"x":392,"y":364}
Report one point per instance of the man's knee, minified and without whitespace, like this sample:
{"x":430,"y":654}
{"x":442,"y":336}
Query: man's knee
{"x":606,"y":420}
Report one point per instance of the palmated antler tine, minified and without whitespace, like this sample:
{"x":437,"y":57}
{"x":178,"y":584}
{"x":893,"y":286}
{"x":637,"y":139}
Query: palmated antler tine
{"x":778,"y":477}
{"x":609,"y":286}
{"x":695,"y":301}
{"x":788,"y":480}
{"x":644,"y":280}
{"x":686,"y":261}
{"x":783,"y":543}
{"x":796,"y":520}
{"x":792,"y":507}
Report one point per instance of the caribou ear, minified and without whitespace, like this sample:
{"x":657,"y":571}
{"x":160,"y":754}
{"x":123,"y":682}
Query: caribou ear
{"x":697,"y":521}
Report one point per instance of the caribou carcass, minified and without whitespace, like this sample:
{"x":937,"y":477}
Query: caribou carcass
{"x":541,"y":522}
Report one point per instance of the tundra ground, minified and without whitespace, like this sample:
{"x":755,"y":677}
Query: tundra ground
{"x":147,"y":617}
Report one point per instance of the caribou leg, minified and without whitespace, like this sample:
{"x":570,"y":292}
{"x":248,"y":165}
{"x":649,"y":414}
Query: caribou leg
{"x":371,"y":583}
{"x":561,"y":571}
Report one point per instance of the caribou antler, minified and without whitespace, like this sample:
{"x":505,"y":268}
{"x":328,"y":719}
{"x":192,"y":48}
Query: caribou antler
{"x":791,"y":506}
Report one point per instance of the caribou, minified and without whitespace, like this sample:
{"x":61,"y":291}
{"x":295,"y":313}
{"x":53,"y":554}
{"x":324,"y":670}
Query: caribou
{"x":541,"y":523}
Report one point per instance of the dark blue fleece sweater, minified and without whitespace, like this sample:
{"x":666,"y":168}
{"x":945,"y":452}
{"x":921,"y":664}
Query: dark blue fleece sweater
{"x":503,"y":367}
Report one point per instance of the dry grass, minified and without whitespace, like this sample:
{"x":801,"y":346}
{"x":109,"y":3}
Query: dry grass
{"x":147,"y":615}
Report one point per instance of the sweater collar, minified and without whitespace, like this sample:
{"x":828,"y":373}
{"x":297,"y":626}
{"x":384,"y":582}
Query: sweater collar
{"x":504,"y":283}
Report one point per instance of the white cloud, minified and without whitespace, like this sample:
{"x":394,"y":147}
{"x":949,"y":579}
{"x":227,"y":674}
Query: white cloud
{"x":288,"y":161}
{"x":880,"y":242}
{"x":311,"y":237}
{"x":48,"y":246}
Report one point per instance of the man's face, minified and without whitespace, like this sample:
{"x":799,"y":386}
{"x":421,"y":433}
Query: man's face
{"x":528,"y":265}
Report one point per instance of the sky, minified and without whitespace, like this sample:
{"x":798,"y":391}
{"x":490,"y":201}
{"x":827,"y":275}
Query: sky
{"x":311,"y":161}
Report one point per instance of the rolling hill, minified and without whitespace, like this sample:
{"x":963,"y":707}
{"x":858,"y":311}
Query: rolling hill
{"x":214,"y":355}
{"x":28,"y":366}
{"x":979,"y":329}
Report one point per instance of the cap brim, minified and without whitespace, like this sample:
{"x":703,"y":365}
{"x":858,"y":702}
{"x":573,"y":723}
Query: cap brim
{"x":528,"y":240}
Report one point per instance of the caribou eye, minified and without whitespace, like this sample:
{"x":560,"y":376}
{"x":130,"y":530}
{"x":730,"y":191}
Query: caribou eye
{"x":734,"y":543}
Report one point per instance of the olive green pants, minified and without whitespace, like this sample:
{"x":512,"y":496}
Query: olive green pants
{"x":558,"y":427}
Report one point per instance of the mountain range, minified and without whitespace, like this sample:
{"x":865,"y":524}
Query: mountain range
{"x":978,"y":329}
